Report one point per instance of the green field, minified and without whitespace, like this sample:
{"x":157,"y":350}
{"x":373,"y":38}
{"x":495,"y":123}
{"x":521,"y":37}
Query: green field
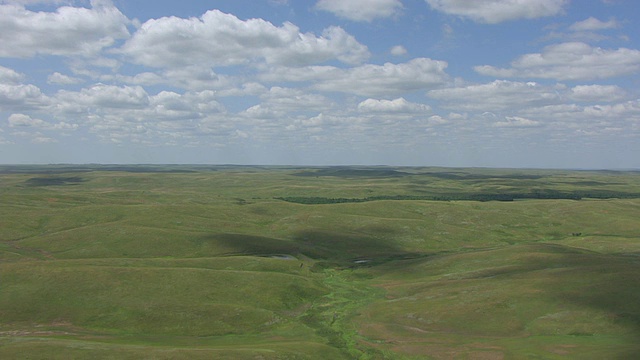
{"x":240,"y":262}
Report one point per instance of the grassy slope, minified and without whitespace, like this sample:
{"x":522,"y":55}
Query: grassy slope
{"x":171,"y":265}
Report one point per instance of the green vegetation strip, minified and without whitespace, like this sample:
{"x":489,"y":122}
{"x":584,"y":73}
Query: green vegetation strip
{"x":540,"y":195}
{"x":332,"y":316}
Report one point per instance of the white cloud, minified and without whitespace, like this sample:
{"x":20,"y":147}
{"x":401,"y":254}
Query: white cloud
{"x":570,"y":61}
{"x":302,"y":74}
{"x":21,"y":97}
{"x":188,"y":106}
{"x":606,"y":125}
{"x":261,"y":111}
{"x":279,"y":102}
{"x":437,"y":120}
{"x":597,"y":93}
{"x":219,"y":39}
{"x":496,"y":11}
{"x":495,"y":96}
{"x":66,"y":32}
{"x":399,"y":105}
{"x":361,"y":10}
{"x":32,"y":2}
{"x":34,"y":135}
{"x":22,"y":120}
{"x":398,"y":50}
{"x":516,"y":121}
{"x":103,"y":96}
{"x":629,"y":111}
{"x":61,"y":79}
{"x":368,"y":80}
{"x":593,"y":24}
{"x":247,"y":89}
{"x":193,"y":78}
{"x":26,"y":121}
{"x":196,"y":78}
{"x":144,"y":78}
{"x":10,"y":76}
{"x":133,"y":104}
{"x":295,"y":99}
{"x":589,"y":118}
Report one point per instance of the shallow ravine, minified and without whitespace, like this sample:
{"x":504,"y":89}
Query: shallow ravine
{"x":331,"y":316}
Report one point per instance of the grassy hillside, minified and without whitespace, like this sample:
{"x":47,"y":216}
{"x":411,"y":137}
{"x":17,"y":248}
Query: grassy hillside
{"x":210,"y":262}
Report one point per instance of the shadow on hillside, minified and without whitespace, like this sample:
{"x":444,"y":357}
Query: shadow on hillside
{"x":603,"y":282}
{"x":352,"y":173}
{"x":609,"y":282}
{"x":241,"y":244}
{"x":328,"y":246}
{"x":54,"y":181}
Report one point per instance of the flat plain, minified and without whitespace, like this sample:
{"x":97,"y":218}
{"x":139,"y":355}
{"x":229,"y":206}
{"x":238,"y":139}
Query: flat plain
{"x":251,"y":262}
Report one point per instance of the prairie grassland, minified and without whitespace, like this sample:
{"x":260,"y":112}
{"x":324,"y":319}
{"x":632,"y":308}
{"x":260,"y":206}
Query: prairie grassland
{"x":207,"y":262}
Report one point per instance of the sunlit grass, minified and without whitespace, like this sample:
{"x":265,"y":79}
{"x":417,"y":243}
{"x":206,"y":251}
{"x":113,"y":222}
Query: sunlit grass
{"x":209,"y":264}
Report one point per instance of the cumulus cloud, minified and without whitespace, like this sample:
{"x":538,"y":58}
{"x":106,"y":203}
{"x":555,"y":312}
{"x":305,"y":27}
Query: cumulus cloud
{"x":497,"y":11}
{"x":570,"y":61}
{"x":144,"y":78}
{"x":597,"y":93}
{"x":398,"y":50}
{"x":295,"y":99}
{"x":629,"y":110}
{"x":21,"y":97}
{"x":61,"y":79}
{"x":66,"y":32}
{"x":596,"y":120}
{"x":588,"y":30}
{"x":516,"y":121}
{"x":168,"y":105}
{"x":399,"y":105}
{"x":361,"y":10}
{"x":247,"y":89}
{"x":106,"y":96}
{"x":369,"y":79}
{"x":33,"y":2}
{"x":372,"y":80}
{"x":22,"y":120}
{"x":106,"y":112}
{"x":194,"y":78}
{"x":219,"y":39}
{"x":593,"y":24}
{"x":279,"y":102}
{"x":167,"y":118}
{"x":26,"y":121}
{"x":10,"y":76}
{"x":262,"y":111}
{"x":437,"y":120}
{"x":495,"y":96}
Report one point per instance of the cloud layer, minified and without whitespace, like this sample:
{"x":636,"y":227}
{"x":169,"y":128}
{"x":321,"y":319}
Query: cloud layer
{"x":570,"y":61}
{"x":446,"y":82}
{"x":361,"y":10}
{"x":497,"y":11}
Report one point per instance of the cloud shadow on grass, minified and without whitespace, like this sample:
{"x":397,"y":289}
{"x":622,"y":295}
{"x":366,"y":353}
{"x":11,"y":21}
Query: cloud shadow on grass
{"x":604,"y":282}
{"x":332,"y":247}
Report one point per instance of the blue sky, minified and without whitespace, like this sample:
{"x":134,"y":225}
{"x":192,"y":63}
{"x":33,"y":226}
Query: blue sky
{"x":487,"y":83}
